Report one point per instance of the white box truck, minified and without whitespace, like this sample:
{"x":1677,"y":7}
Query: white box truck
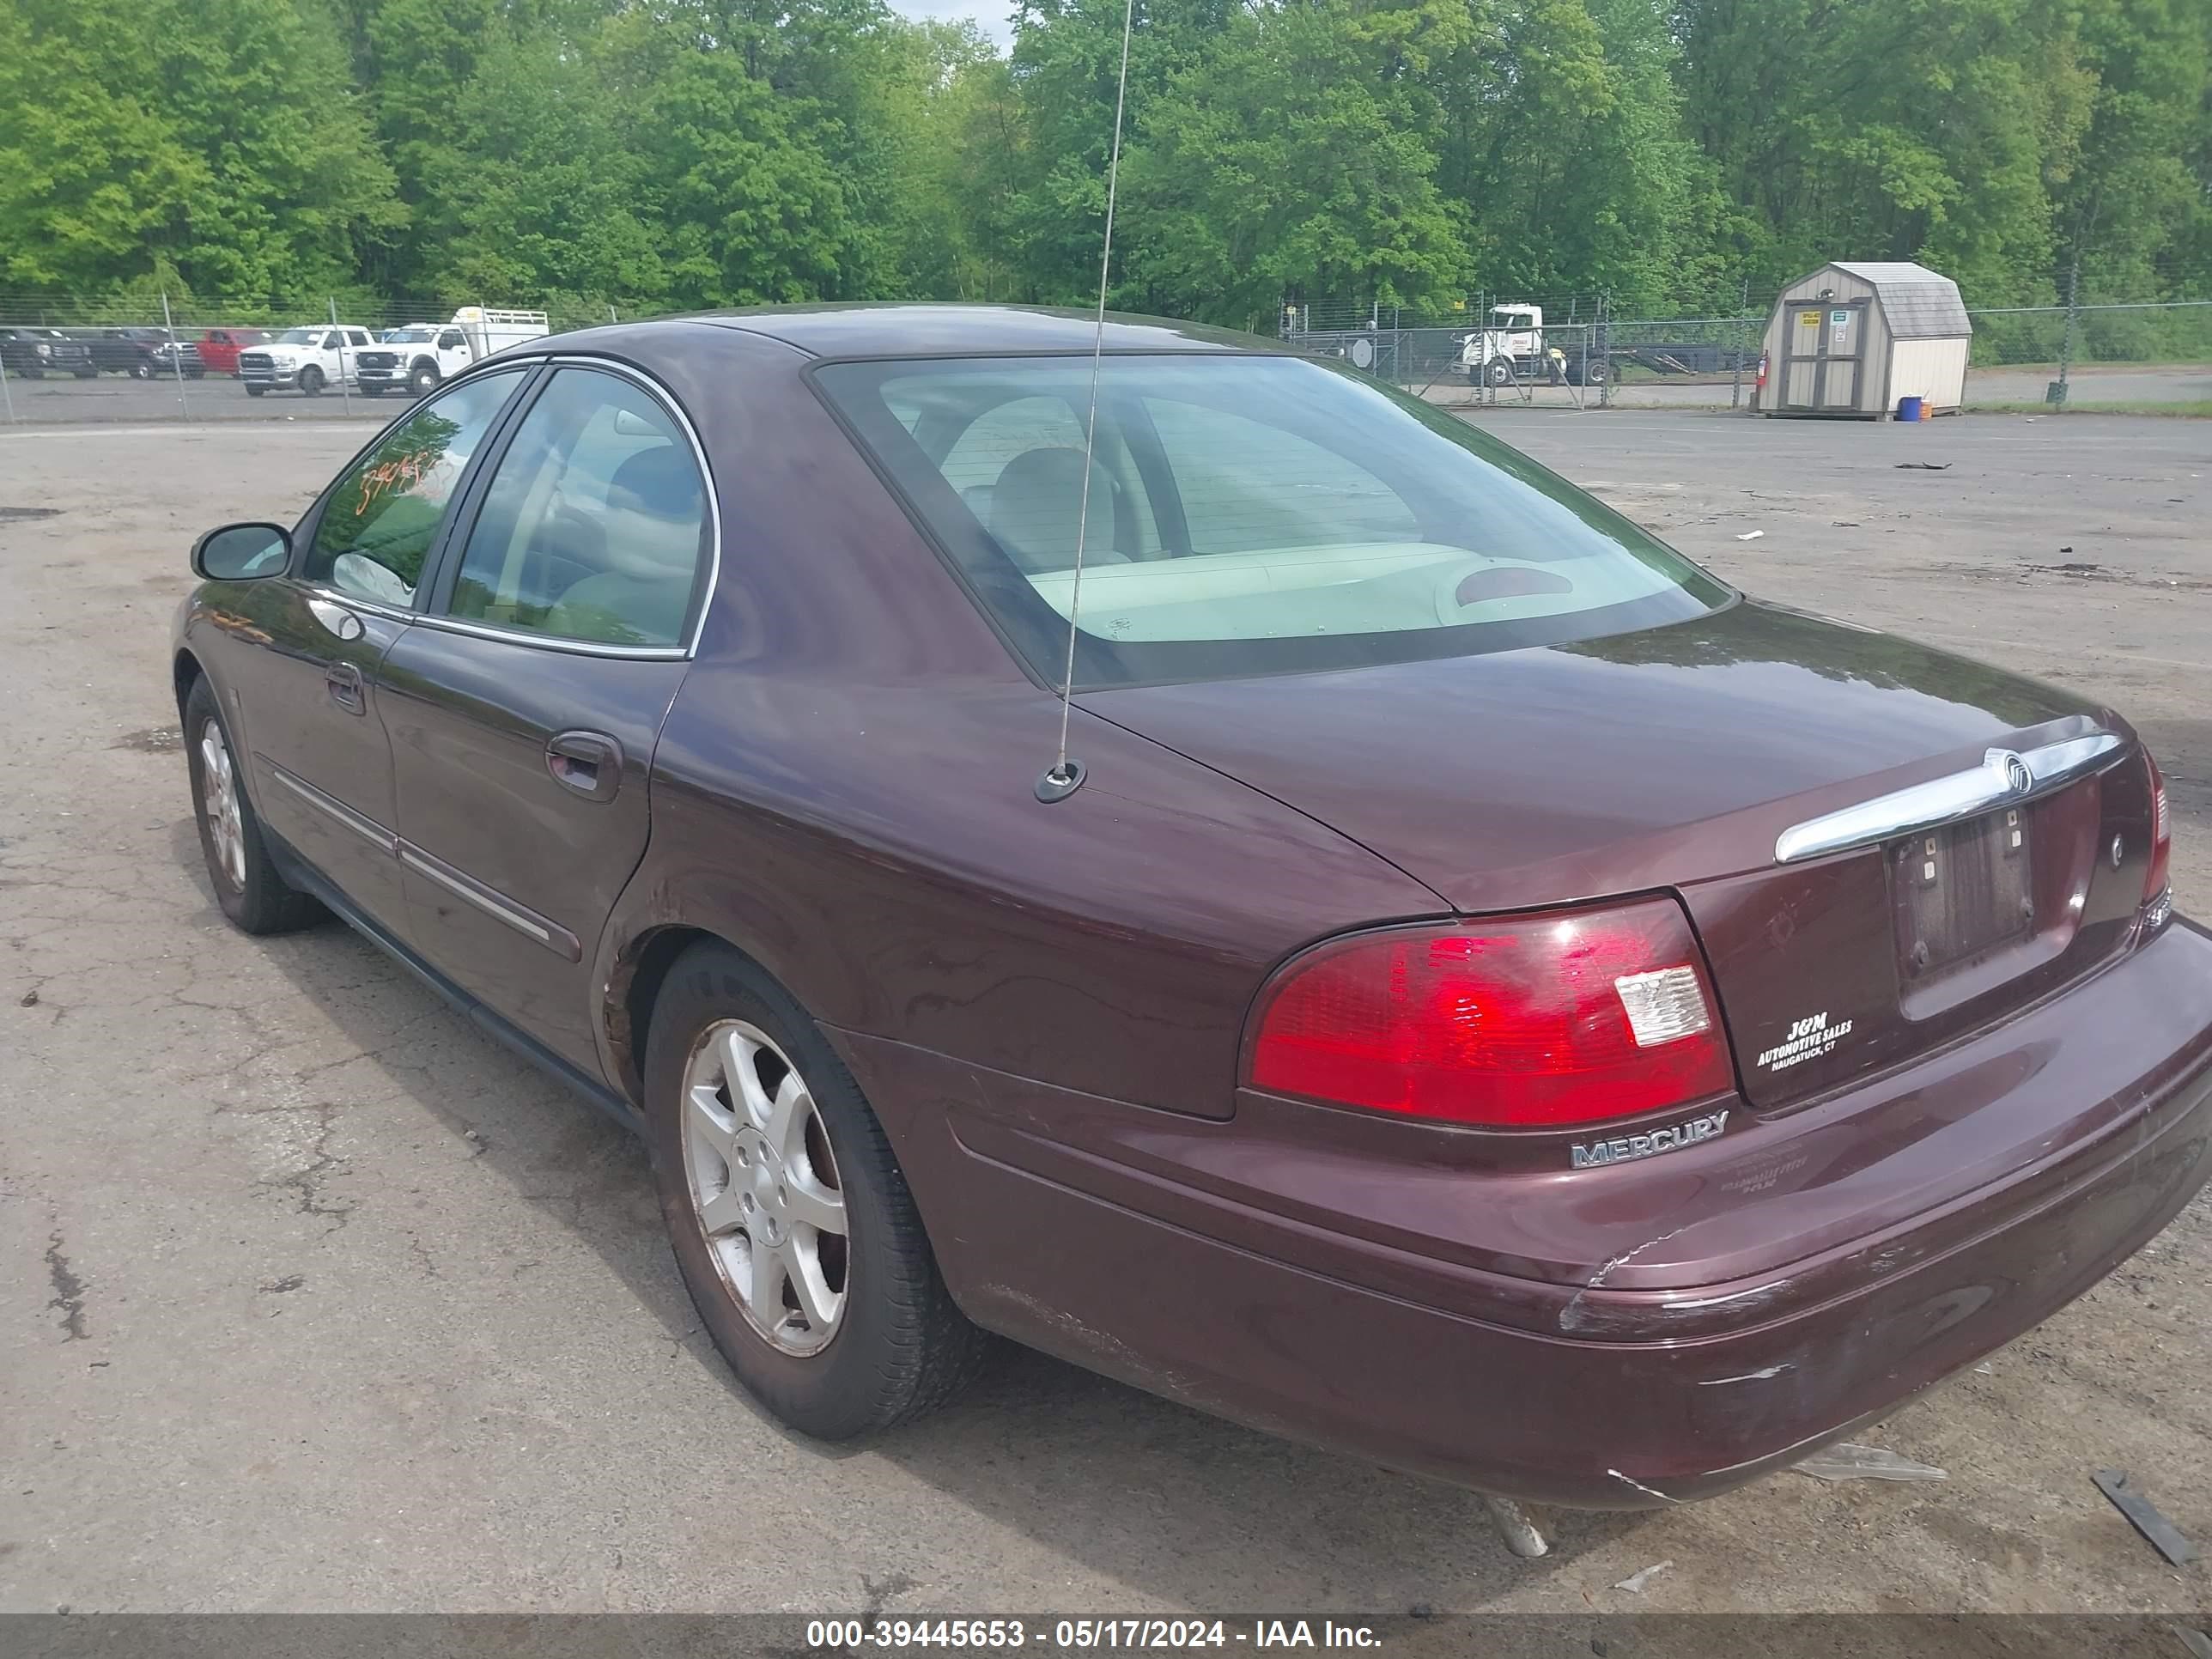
{"x":421,"y":356}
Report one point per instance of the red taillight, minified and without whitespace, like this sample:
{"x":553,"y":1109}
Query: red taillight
{"x":1522,"y":1022}
{"x":2161,"y":835}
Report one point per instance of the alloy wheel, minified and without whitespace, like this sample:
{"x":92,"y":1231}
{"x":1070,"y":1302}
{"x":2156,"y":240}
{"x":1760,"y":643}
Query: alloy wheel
{"x":219,"y":803}
{"x":764,"y":1187}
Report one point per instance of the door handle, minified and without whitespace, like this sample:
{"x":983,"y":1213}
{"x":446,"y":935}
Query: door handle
{"x":342,"y":680}
{"x":588,"y":762}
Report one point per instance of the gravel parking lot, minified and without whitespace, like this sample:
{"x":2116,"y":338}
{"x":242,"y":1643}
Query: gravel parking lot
{"x":316,"y":1299}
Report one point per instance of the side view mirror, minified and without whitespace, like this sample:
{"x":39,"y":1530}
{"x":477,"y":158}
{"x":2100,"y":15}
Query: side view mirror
{"x":239,"y":552}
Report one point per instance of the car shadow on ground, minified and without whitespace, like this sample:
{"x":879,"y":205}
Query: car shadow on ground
{"x":1135,"y":1487}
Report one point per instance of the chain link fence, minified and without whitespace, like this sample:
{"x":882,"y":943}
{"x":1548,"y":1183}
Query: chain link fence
{"x":1581,"y":351}
{"x":158,"y":358}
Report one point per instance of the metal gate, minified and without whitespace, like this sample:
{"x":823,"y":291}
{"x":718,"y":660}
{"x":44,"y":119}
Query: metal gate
{"x":1824,"y":355}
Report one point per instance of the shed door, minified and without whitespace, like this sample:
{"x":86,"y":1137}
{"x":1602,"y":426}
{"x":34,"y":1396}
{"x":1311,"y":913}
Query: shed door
{"x":1824,"y":354}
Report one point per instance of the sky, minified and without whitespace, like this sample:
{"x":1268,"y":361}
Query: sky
{"x":990,"y":15}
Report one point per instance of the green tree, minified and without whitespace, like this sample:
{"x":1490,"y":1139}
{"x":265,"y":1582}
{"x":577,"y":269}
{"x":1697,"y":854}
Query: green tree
{"x":537,"y":189}
{"x":1297,"y":154}
{"x":223,"y":138}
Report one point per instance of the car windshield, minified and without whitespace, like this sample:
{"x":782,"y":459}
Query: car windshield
{"x":301,"y":336}
{"x":408,"y":336}
{"x":1246,"y":515}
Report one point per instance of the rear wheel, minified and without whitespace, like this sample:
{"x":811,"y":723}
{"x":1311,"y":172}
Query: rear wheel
{"x":790,"y":1218}
{"x":311,"y":381}
{"x":247,"y":886}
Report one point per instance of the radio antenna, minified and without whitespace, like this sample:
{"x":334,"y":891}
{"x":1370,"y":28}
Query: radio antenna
{"x":1065,"y":776}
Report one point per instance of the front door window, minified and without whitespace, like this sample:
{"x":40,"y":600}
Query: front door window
{"x":383,"y":515}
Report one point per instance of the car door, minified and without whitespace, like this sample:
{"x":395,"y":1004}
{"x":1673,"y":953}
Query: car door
{"x":524,"y":706}
{"x":349,"y":341}
{"x":307,"y":697}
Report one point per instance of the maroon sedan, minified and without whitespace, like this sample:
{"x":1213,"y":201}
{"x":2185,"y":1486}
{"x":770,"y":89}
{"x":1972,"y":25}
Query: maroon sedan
{"x":1480,"y":992}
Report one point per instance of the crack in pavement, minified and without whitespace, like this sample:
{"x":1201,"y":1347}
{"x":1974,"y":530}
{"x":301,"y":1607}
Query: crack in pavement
{"x":306,"y":1184}
{"x":68,"y":1289}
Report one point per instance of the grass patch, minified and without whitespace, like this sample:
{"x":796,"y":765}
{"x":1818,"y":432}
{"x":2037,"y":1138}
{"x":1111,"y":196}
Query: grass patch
{"x":2198,"y":408}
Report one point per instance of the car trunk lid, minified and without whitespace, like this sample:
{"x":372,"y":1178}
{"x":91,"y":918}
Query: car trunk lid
{"x":1677,"y":759}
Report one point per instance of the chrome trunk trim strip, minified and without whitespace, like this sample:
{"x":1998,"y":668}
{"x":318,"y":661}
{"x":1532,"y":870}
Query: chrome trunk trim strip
{"x":2003,"y":777}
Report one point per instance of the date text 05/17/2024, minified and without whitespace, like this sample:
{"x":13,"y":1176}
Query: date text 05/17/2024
{"x":1070,"y":1635}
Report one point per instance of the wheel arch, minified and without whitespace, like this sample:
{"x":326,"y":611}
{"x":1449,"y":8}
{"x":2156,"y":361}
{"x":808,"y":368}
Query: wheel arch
{"x":635,"y":979}
{"x":183,"y":672}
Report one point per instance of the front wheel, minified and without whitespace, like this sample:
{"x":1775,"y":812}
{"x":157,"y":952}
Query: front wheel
{"x":790,"y":1218}
{"x":252,"y":391}
{"x":1499,"y":371}
{"x":311,"y":381}
{"x":247,"y":886}
{"x":142,"y":371}
{"x":424,"y":380}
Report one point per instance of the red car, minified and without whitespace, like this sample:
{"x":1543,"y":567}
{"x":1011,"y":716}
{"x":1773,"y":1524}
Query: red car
{"x":1479,"y":993}
{"x":219,"y":347}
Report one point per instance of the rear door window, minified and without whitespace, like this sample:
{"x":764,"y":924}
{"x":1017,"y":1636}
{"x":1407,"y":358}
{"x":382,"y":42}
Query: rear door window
{"x":594,"y":528}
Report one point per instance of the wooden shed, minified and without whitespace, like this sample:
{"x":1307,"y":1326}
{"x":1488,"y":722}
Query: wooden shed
{"x":1856,"y":336}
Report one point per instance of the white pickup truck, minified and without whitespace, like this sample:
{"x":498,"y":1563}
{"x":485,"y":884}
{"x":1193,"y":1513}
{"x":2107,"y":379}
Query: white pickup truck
{"x":302,"y":359}
{"x":421,"y":355}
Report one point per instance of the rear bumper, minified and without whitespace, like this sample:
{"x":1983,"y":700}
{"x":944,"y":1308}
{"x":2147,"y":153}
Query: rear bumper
{"x":1582,"y":1395}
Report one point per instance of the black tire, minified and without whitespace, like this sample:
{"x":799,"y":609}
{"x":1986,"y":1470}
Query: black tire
{"x":311,"y":381}
{"x":901,"y":1347}
{"x":86,"y":374}
{"x":263,"y":901}
{"x":252,"y":391}
{"x":1499,"y":371}
{"x":372,"y":391}
{"x":35,"y":373}
{"x":424,"y":380}
{"x":142,"y":371}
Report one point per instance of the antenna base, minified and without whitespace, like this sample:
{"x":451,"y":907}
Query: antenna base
{"x":1059,"y":781}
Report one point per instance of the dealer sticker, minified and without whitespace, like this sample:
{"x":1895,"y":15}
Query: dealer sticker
{"x":1810,"y":1038}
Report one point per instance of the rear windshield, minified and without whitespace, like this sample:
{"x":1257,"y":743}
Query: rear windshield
{"x":1246,"y":515}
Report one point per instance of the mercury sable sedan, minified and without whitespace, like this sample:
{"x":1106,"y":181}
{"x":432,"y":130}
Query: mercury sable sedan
{"x":1476,"y":991}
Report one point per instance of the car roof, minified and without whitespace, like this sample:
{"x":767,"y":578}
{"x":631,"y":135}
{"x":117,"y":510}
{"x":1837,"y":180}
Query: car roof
{"x":903,"y":330}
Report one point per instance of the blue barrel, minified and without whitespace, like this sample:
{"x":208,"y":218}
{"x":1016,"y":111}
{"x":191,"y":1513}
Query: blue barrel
{"x":1908,"y":409}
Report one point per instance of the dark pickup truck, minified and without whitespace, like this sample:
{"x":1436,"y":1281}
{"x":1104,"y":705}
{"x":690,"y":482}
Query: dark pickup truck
{"x":141,"y":353}
{"x":34,"y":353}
